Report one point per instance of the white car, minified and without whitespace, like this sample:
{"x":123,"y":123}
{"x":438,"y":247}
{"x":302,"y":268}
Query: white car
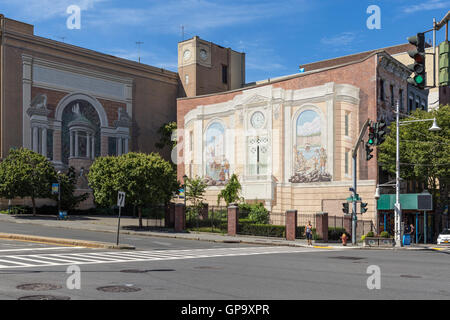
{"x":444,"y":237}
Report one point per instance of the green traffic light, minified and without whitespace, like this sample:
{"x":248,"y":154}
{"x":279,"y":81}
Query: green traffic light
{"x":370,"y":141}
{"x":419,"y":79}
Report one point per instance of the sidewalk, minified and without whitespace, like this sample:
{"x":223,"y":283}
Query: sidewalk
{"x":109,"y":224}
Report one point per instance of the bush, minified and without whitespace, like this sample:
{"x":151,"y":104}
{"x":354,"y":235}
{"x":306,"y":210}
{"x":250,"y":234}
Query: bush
{"x":384,"y":234}
{"x":258,"y":214}
{"x":335,"y":233}
{"x":370,"y":234}
{"x":266,"y":230}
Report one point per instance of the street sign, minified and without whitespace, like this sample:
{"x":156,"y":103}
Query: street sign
{"x":55,"y":188}
{"x":121,"y":199}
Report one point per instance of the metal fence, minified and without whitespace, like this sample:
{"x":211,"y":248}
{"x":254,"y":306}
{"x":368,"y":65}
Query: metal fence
{"x":214,"y":220}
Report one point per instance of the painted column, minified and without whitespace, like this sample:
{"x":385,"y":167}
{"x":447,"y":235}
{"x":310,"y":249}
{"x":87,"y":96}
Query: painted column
{"x":103,"y":145}
{"x":88,"y":144}
{"x":92,"y":147}
{"x":44,"y":142}
{"x":35,"y":139}
{"x":126,"y":145}
{"x":76,"y":144}
{"x":71,"y":144}
{"x":119,"y":149}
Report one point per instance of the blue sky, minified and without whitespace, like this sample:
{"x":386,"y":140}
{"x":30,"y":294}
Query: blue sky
{"x":277,"y":36}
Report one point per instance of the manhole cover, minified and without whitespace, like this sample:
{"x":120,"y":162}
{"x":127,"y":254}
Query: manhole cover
{"x":161,"y":270}
{"x":410,"y":276}
{"x":346,"y":258}
{"x":208,"y":267}
{"x":133,"y":271}
{"x":38,"y":286}
{"x":118,"y":289}
{"x":43,"y":297}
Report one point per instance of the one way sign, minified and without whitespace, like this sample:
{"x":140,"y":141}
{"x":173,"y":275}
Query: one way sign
{"x":121,"y":199}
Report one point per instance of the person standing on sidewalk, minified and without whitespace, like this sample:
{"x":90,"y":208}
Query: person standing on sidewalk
{"x":308,"y":231}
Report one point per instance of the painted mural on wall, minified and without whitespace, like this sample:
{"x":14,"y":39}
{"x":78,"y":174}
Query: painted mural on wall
{"x":217,"y":165}
{"x":310,"y":156}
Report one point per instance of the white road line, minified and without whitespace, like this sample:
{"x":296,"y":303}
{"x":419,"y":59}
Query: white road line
{"x":139,"y":256}
{"x":41,"y":249}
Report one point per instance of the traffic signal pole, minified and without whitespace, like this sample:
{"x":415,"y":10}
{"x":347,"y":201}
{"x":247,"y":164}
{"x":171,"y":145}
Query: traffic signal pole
{"x":355,"y":178}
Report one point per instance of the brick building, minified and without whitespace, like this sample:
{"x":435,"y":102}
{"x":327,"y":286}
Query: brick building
{"x":289,"y":139}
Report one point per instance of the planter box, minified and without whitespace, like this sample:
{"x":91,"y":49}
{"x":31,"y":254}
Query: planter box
{"x":378,"y":242}
{"x":371,"y":242}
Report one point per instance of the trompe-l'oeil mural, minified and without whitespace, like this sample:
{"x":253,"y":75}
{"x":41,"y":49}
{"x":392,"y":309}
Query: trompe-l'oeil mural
{"x":217,"y":165}
{"x":310,"y":156}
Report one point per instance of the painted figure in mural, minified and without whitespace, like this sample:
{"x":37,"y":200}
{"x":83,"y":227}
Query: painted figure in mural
{"x":323,"y":160}
{"x":39,"y":102}
{"x":76,"y":109}
{"x":226,"y":168}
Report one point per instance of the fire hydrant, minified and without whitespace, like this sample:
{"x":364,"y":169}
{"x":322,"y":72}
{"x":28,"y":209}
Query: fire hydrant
{"x":344,"y":239}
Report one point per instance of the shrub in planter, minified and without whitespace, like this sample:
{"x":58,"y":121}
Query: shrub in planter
{"x":384,"y":234}
{"x":363,"y":237}
{"x":370,"y":234}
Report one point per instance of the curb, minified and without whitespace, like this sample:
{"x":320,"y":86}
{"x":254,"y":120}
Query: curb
{"x":67,"y":242}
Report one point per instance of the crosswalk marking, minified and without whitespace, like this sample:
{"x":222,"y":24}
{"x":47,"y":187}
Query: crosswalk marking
{"x":60,"y":259}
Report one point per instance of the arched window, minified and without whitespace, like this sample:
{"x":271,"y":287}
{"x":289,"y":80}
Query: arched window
{"x":217,"y":165}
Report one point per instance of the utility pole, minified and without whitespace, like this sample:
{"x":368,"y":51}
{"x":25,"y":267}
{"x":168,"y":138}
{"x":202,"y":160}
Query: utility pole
{"x":397,"y":207}
{"x":355,"y":178}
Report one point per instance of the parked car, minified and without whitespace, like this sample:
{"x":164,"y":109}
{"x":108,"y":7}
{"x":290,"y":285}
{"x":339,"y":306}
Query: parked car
{"x":444,"y":237}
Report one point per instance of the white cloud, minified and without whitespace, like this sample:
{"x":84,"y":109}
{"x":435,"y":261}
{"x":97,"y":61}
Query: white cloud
{"x":342,"y":39}
{"x":426,"y":6}
{"x":309,"y":128}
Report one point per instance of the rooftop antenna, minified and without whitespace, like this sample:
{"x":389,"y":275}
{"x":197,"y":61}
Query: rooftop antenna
{"x":182,"y":33}
{"x":62,"y":38}
{"x":139,"y":49}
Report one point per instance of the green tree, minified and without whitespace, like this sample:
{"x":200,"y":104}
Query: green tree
{"x":424,"y":155}
{"x":146,"y":179}
{"x":194,"y":190}
{"x":25,"y":173}
{"x":231,"y":193}
{"x":165,"y":132}
{"x":69,"y":200}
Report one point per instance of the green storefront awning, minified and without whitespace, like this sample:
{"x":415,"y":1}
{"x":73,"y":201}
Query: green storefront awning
{"x":409,"y":201}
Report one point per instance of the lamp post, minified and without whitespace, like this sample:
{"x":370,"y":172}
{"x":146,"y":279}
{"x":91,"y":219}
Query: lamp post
{"x":59,"y":192}
{"x":184,"y":187}
{"x":397,"y":206}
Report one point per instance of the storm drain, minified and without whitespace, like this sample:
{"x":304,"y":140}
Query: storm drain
{"x":38,"y":286}
{"x":346,"y":258}
{"x":122,"y":289}
{"x":43,"y":297}
{"x":144,"y":271}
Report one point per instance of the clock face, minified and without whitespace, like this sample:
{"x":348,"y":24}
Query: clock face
{"x":186,"y":55}
{"x":203,"y":54}
{"x":257,"y":120}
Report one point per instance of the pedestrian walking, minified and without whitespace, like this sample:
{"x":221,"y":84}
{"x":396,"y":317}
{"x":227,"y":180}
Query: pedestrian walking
{"x":411,"y":227}
{"x":308,"y":231}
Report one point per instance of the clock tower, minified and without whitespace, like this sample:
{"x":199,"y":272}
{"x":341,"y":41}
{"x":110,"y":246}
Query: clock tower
{"x":205,"y":68}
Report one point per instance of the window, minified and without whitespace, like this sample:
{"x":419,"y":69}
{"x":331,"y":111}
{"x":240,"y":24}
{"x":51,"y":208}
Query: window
{"x":346,"y":123}
{"x":411,"y":104}
{"x":186,"y":77}
{"x":392,"y":95}
{"x":224,"y":74}
{"x":346,"y":162}
{"x":382,"y":89}
{"x":400,"y":97}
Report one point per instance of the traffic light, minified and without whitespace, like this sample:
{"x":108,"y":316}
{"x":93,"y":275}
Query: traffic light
{"x":371,"y":140}
{"x":380,"y":132}
{"x":444,"y":64}
{"x":418,"y":55}
{"x":368,"y":151}
{"x":363,"y":207}
{"x":345,"y":208}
